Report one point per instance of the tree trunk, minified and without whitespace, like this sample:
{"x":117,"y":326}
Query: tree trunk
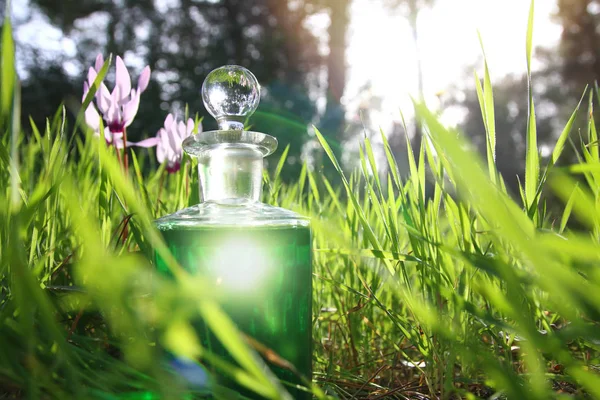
{"x":336,"y":61}
{"x":413,"y":17}
{"x":333,"y":120}
{"x":236,"y":35}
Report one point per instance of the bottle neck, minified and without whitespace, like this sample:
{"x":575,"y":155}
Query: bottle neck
{"x":231,"y":173}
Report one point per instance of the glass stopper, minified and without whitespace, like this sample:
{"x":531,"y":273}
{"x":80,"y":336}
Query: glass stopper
{"x":231,"y":94}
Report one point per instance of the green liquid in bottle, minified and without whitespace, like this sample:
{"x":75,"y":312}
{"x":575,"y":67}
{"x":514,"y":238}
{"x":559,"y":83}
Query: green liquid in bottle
{"x":264,"y":277}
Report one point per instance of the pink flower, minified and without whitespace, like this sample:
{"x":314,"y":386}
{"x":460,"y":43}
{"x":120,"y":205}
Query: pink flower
{"x":170,"y":137}
{"x":118,"y":108}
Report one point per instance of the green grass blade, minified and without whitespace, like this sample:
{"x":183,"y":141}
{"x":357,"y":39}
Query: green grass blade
{"x":230,"y":337}
{"x":413,"y":170}
{"x":567,"y":211}
{"x":314,"y":190}
{"x":8,"y":72}
{"x":562,"y":139}
{"x":529,"y":39}
{"x":532,"y":163}
{"x":488,"y":113}
{"x":368,"y":230}
{"x":594,"y":149}
{"x":92,"y":92}
{"x":281,"y":163}
{"x":373,"y":165}
{"x":391,"y":159}
{"x":15,"y":131}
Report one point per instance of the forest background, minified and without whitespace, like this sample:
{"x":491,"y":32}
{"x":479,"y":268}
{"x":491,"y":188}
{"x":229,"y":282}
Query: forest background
{"x":298,"y":49}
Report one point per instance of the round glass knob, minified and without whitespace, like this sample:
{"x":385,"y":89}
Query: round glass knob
{"x":231,"y":94}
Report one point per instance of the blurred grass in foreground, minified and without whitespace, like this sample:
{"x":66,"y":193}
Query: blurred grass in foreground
{"x":464,"y":293}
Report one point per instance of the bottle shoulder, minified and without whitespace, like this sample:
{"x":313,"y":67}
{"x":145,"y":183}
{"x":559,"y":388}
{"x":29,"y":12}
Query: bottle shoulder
{"x":215,"y":214}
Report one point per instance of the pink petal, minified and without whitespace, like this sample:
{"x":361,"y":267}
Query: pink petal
{"x":102,"y":95}
{"x":91,"y":77}
{"x":173,"y":138}
{"x":131,"y":108}
{"x":86,"y":90}
{"x":114,"y":113}
{"x":150,"y":142}
{"x":119,"y":144}
{"x":123,"y":80}
{"x":99,"y":62}
{"x":169,"y":121}
{"x":144,"y":79}
{"x":160,"y":155}
{"x":181,"y":131}
{"x":189,"y":128}
{"x":92,"y":118}
{"x":112,"y":116}
{"x":160,"y":149}
{"x":116,"y":139}
{"x":116,"y":95}
{"x":103,"y":101}
{"x":104,"y":90}
{"x":167,"y":141}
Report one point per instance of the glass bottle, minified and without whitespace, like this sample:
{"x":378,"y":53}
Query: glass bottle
{"x":259,"y":256}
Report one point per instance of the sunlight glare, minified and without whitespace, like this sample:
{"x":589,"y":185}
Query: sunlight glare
{"x":241,"y":265}
{"x":381,"y":51}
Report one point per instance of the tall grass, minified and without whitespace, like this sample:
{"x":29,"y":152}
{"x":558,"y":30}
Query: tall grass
{"x":463,"y":292}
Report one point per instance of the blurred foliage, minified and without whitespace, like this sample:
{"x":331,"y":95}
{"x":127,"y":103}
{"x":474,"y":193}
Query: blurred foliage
{"x":466,"y":293}
{"x":182,"y":42}
{"x":579,"y":46}
{"x":559,"y":83}
{"x":411,"y":9}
